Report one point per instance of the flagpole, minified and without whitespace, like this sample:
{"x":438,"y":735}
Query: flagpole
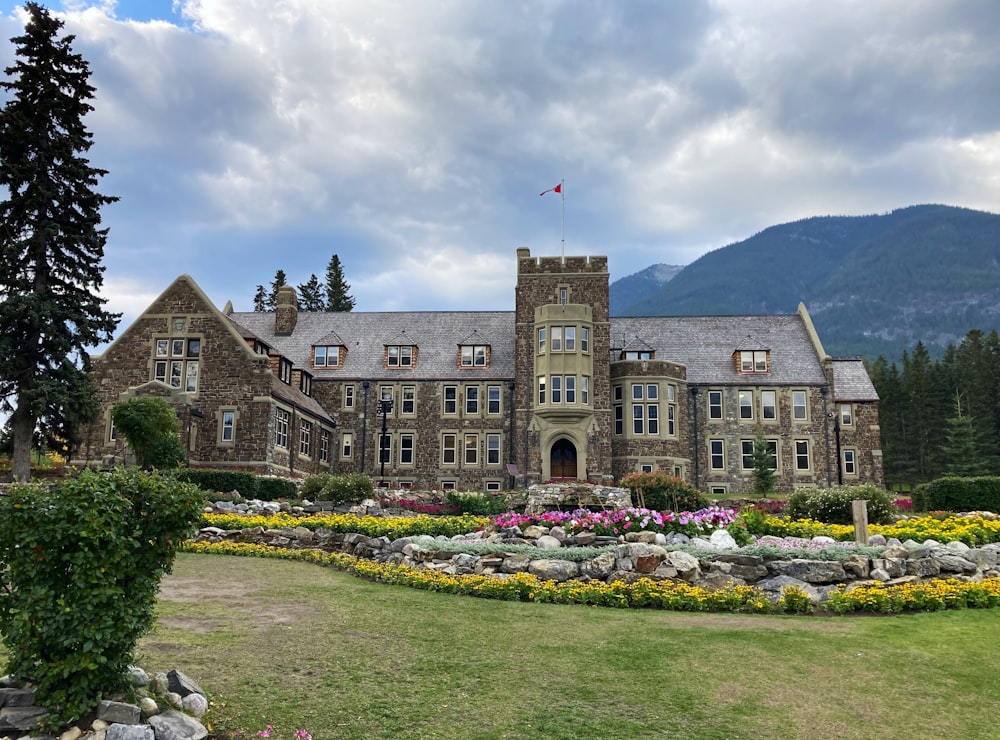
{"x":562,"y":195}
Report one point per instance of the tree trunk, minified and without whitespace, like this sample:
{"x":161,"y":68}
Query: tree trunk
{"x":22,"y":426}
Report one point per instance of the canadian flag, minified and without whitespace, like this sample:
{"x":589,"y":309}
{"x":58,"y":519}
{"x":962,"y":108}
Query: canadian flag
{"x":556,"y":189}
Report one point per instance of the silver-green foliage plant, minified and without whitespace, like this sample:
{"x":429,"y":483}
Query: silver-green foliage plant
{"x":833,"y":505}
{"x":84,"y":561}
{"x":350,"y":488}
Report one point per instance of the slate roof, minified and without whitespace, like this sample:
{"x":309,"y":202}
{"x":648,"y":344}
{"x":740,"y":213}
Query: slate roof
{"x":292,"y":395}
{"x":437,"y":335}
{"x":851,"y":381}
{"x":705,"y":344}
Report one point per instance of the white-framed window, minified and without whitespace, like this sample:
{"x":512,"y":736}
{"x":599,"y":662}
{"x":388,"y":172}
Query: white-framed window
{"x":348,"y":396}
{"x":800,"y":407}
{"x":802,"y":459}
{"x":569,"y":384}
{"x":399,"y":355}
{"x":585,"y":390}
{"x":753,"y":361}
{"x":492,"y":449}
{"x":850,"y":461}
{"x":176,"y":362}
{"x":638,"y":355}
{"x":569,"y":343}
{"x":305,"y":437}
{"x":227,"y":426}
{"x":406,"y":449}
{"x":285,"y":370}
{"x":493,"y":399}
{"x":324,"y":445}
{"x":619,"y":419}
{"x":449,"y":443}
{"x":447,"y":485}
{"x":584,"y":339}
{"x":492,"y":486}
{"x":326,"y":356}
{"x":846,"y":415}
{"x":474,"y":355}
{"x":346,"y":445}
{"x":746,"y":448}
{"x":472,"y":400}
{"x":718,"y":490}
{"x":637,"y":391}
{"x":638,"y":418}
{"x":715,"y":404}
{"x":717,"y":454}
{"x":556,"y":340}
{"x":746,"y":405}
{"x":556,"y":393}
{"x":652,"y":419}
{"x":281,"y":418}
{"x":671,"y":410}
{"x":541,"y":390}
{"x":563,"y":296}
{"x":768,"y":406}
{"x":450,"y":400}
{"x":645,"y":468}
{"x":471,"y":449}
{"x":407,"y":397}
{"x":541,"y":339}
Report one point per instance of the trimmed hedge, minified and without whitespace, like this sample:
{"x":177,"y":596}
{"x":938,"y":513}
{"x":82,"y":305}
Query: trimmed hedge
{"x":271,"y":489}
{"x":981,"y":493}
{"x":223,"y":480}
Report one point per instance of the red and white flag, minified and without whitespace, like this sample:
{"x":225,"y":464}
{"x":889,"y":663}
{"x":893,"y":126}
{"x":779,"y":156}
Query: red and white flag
{"x":556,"y":189}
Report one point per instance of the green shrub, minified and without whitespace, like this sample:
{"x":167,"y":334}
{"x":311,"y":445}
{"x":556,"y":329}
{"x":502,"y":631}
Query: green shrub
{"x":271,"y":489}
{"x":477,"y":504}
{"x":350,"y":488}
{"x":312,"y":487}
{"x":151,"y":428}
{"x":833,"y":505}
{"x":662,"y":492}
{"x":84,"y":559}
{"x":223,"y":481}
{"x":981,"y":493}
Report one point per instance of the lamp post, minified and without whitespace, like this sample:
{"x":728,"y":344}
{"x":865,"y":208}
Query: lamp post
{"x":384,"y":408}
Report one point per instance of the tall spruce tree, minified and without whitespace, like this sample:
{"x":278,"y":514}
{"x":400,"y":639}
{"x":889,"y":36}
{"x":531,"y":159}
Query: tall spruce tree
{"x":311,"y":295}
{"x":762,"y":456}
{"x":51,"y":243}
{"x":280,"y":280}
{"x":338,"y":297}
{"x":260,"y":299}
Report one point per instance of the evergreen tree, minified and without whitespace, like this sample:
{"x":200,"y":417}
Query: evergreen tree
{"x":961,"y":450}
{"x":272,"y":296}
{"x":338,"y":297}
{"x":763,"y":465}
{"x":51,"y":246}
{"x":311,"y":295}
{"x":260,"y":299}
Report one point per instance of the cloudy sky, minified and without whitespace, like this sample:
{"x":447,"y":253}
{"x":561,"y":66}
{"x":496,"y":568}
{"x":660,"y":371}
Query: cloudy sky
{"x":413,"y":138}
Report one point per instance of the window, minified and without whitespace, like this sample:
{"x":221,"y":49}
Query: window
{"x":541,"y":339}
{"x":636,"y":392}
{"x":324,"y":445}
{"x":472,"y":399}
{"x":850,"y":464}
{"x":385,"y":393}
{"x":281,"y":428}
{"x":471,"y":456}
{"x":652,"y":419}
{"x":637,"y":355}
{"x":646,"y":468}
{"x":638,"y":419}
{"x":399,"y":355}
{"x":672,"y":410}
{"x":492,"y":449}
{"x":176,"y":362}
{"x":556,"y":342}
{"x":407,"y":398}
{"x":569,"y":382}
{"x":802,"y":454}
{"x":619,"y":419}
{"x":584,"y":339}
{"x":492,"y":485}
{"x":492,"y":399}
{"x":563,"y":296}
{"x":585,"y":390}
{"x":746,"y":404}
{"x":326,"y":356}
{"x":448,"y":444}
{"x":718,"y":490}
{"x":349,"y":397}
{"x":473,"y":355}
{"x":227,"y":431}
{"x":346,"y":445}
{"x":652,"y":392}
{"x":717,"y":454}
{"x":406,"y":449}
{"x":306,"y":384}
{"x":305,"y":438}
{"x":754,"y":361}
{"x":799,"y":408}
{"x":450,"y":399}
{"x":768,"y":406}
{"x":385,"y":444}
{"x":570,"y":338}
{"x":747,"y":453}
{"x":715,"y":404}
{"x":447,"y":485}
{"x":285,"y":370}
{"x":556,"y":389}
{"x":846,"y":415}
{"x":541,"y":390}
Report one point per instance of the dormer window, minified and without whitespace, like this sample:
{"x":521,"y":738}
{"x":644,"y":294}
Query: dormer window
{"x":753,"y":361}
{"x":638,"y":355}
{"x":474,"y":355}
{"x":285,"y":371}
{"x":327,"y":356}
{"x":399,"y":355}
{"x":305,"y":385}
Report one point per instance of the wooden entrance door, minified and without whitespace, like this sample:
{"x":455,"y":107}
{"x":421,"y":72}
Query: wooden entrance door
{"x":563,"y":460}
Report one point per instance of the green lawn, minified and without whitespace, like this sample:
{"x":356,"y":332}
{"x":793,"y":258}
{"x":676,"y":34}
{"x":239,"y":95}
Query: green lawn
{"x":298,"y":646}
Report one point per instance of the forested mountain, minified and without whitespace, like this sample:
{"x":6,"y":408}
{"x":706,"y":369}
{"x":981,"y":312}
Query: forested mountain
{"x":643,"y":284}
{"x":874,"y":285}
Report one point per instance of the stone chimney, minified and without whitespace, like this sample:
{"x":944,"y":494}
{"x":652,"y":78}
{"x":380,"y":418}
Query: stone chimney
{"x":287,"y":312}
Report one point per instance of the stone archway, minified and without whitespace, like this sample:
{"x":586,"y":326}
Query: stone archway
{"x":563,"y":460}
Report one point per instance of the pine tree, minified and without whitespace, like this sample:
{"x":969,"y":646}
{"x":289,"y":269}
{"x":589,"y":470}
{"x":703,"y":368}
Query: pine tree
{"x":272,"y":296}
{"x":311,"y":295}
{"x":260,"y":299}
{"x":51,"y":246}
{"x":960,"y":451}
{"x":763,"y":465}
{"x":338,"y":297}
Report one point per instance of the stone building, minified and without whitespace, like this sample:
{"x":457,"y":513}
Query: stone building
{"x":487,"y":400}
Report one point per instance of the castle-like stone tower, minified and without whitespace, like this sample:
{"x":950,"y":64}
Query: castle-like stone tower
{"x":562,"y":407}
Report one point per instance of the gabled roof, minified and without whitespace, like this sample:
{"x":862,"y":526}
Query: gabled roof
{"x":851,"y":381}
{"x":294,"y":397}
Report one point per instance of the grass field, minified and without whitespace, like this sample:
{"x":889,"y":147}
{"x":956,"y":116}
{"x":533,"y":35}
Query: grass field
{"x":297,"y":646}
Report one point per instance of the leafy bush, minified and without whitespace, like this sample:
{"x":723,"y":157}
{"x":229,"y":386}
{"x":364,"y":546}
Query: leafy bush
{"x":350,"y":488}
{"x":150,"y":427}
{"x":662,"y":492}
{"x":981,"y":493}
{"x":223,"y":481}
{"x":833,"y":505}
{"x":313,"y":486}
{"x":477,"y":504}
{"x":271,"y":489}
{"x":84,"y":560}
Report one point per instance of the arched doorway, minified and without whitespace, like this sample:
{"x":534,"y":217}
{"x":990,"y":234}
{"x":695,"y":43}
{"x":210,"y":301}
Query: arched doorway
{"x":562,"y":463}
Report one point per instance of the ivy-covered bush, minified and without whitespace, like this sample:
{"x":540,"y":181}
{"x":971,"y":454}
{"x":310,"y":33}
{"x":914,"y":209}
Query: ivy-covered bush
{"x":350,"y":488}
{"x":662,"y":492}
{"x":150,"y":426}
{"x":477,"y":504}
{"x":981,"y":493}
{"x":223,"y":481}
{"x":833,"y":505}
{"x":271,"y":489}
{"x":84,"y":559}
